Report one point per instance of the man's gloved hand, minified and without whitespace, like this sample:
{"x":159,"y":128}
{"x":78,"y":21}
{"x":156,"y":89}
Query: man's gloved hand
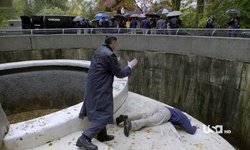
{"x":132,"y":63}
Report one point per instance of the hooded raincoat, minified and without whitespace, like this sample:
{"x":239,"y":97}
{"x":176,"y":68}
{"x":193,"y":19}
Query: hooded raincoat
{"x":98,"y":98}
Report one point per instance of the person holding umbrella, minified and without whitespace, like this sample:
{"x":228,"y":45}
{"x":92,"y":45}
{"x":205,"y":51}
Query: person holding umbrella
{"x":174,"y":21}
{"x":233,"y":22}
{"x":79,"y":23}
{"x":161,"y":24}
{"x":98,"y":98}
{"x":85,"y":25}
{"x":145,"y":25}
{"x":103,"y":23}
{"x":133,"y":25}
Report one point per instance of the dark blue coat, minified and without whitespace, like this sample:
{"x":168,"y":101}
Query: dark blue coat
{"x":145,"y":24}
{"x":133,"y":23}
{"x":234,"y":23}
{"x":98,"y":97}
{"x":179,"y":118}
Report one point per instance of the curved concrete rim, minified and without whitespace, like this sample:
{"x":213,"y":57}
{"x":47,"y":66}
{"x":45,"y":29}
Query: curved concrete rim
{"x":39,"y":131}
{"x":40,"y":63}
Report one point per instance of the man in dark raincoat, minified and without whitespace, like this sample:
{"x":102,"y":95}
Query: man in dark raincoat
{"x":98,"y":100}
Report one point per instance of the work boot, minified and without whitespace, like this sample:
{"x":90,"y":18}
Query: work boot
{"x":103,"y":136}
{"x":85,"y":142}
{"x":127,"y":127}
{"x":121,"y":118}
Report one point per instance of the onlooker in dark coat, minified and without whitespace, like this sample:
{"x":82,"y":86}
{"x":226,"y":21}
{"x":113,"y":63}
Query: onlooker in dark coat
{"x":103,"y":23}
{"x":78,"y":24}
{"x":133,"y":25}
{"x":233,"y":23}
{"x":161,"y":24}
{"x":106,"y":23}
{"x":209,"y":25}
{"x":85,"y":25}
{"x":210,"y":22}
{"x":145,"y":24}
{"x":175,"y":22}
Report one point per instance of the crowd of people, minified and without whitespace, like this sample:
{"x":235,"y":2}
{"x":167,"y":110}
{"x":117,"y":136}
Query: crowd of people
{"x":233,"y":23}
{"x":155,"y":22}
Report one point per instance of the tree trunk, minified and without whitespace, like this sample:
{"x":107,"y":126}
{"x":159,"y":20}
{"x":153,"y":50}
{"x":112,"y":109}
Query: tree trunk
{"x":176,"y":4}
{"x":27,"y":8}
{"x":199,"y":11}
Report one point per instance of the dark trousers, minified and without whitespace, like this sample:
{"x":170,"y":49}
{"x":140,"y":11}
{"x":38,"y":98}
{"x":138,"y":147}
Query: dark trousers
{"x":93,"y":130}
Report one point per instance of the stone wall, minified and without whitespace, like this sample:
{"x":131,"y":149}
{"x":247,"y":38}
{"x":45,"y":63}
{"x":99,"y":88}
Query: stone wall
{"x":207,"y":77}
{"x":211,"y":90}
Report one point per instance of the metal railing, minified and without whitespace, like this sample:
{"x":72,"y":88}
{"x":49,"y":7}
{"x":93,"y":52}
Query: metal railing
{"x":244,"y":33}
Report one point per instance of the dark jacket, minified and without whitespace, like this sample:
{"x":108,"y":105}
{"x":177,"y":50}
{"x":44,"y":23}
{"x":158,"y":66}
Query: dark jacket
{"x":145,"y":24}
{"x":85,"y":24}
{"x":175,"y":22}
{"x":234,"y":23}
{"x":78,"y":24}
{"x":179,"y":118}
{"x":98,"y":97}
{"x":161,"y":24}
{"x":210,"y":23}
{"x":133,"y":23}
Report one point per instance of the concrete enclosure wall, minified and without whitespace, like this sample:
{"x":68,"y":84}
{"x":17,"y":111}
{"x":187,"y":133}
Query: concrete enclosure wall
{"x":40,"y":86}
{"x":237,"y":49}
{"x":208,"y":77}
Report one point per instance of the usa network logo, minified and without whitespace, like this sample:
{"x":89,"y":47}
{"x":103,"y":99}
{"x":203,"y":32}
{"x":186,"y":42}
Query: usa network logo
{"x":217,"y":129}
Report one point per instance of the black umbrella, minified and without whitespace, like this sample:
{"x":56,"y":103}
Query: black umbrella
{"x":152,"y":15}
{"x":119,"y":17}
{"x":233,"y":11}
